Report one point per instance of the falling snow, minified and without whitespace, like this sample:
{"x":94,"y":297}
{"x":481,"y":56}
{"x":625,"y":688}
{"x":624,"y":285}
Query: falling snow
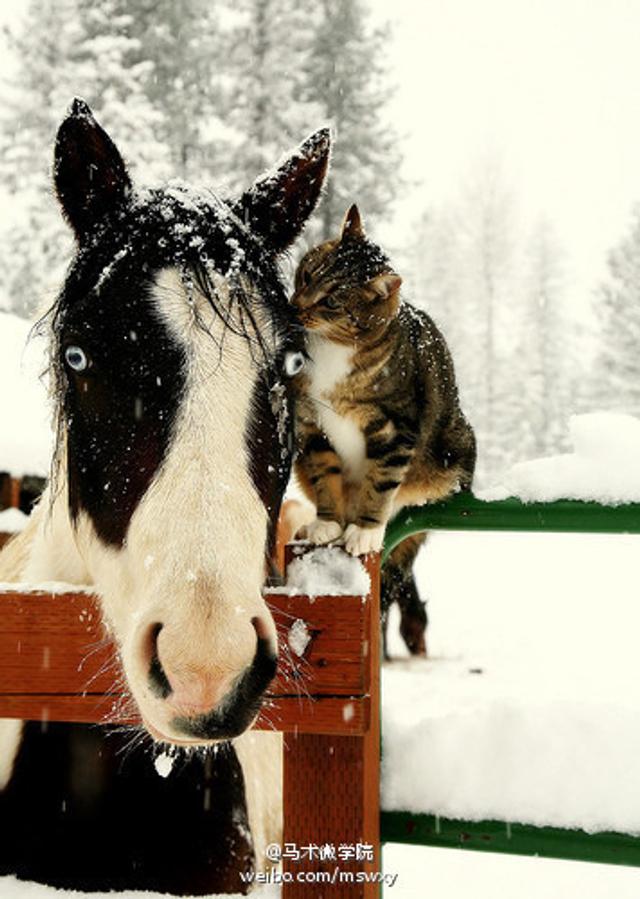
{"x":163,"y":764}
{"x":298,"y":637}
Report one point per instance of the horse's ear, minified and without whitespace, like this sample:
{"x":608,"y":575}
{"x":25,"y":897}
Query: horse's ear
{"x":279,"y":203}
{"x":90,"y":176}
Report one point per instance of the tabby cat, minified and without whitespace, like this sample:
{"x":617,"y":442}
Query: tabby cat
{"x":378,"y":421}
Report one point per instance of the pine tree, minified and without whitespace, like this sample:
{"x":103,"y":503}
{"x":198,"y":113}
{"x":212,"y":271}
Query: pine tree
{"x":67,"y":48}
{"x":265,"y":106}
{"x":547,"y":344}
{"x":182,"y":44}
{"x":34,"y":245}
{"x":110,"y":69}
{"x":467,"y":264}
{"x":616,"y":380}
{"x":485,"y":222}
{"x":345,"y":80}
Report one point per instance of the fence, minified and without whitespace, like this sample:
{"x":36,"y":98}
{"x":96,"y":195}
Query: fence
{"x":331,"y":723}
{"x":465,"y":512}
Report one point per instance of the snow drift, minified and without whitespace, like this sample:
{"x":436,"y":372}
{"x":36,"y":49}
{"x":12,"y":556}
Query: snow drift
{"x":604,"y":465}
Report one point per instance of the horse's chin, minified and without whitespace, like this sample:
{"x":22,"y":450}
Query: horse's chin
{"x":161,"y":737}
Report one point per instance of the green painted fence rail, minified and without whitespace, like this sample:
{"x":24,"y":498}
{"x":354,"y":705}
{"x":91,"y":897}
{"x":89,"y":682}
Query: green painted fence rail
{"x":511,"y":839}
{"x":466,"y":512}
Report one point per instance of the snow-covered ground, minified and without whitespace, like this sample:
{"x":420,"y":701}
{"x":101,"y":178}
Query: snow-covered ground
{"x":12,"y":521}
{"x":441,"y":873}
{"x":25,"y":440}
{"x":529,"y":707}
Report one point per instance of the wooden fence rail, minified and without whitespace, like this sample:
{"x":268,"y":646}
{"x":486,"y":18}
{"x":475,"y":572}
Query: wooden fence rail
{"x":57,"y":665}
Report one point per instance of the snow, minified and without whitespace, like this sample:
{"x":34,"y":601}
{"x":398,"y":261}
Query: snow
{"x":12,"y":521}
{"x":602,"y":467}
{"x":450,"y":874}
{"x":10,"y":888}
{"x":325,"y":571}
{"x":459,"y":874}
{"x":25,"y":447}
{"x":527,"y":710}
{"x":298,"y":637}
{"x":55,"y":588}
{"x":163,"y":764}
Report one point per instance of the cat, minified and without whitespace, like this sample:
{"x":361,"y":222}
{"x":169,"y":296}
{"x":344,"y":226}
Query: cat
{"x":378,"y":421}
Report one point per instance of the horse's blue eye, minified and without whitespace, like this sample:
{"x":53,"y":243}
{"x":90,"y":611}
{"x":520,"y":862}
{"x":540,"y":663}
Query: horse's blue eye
{"x":293,"y":363}
{"x":76,"y":358}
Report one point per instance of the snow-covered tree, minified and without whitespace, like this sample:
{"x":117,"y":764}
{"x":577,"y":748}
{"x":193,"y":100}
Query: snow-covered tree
{"x":181,"y":44}
{"x":110,"y":68}
{"x":615,"y":382}
{"x":299,"y":64}
{"x":66,"y":48}
{"x":268,"y":46}
{"x":548,"y":345}
{"x":345,"y":78}
{"x":34,"y":245}
{"x":498,"y":296}
{"x":210,"y":92}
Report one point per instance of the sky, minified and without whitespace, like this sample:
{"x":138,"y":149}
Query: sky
{"x":549,"y":88}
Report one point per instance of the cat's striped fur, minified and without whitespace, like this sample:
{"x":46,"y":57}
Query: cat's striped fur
{"x":378,"y":421}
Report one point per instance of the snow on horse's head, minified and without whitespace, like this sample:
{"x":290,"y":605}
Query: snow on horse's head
{"x":170,"y":351}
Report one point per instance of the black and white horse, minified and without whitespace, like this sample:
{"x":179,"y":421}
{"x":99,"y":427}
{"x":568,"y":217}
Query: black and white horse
{"x":171,"y":347}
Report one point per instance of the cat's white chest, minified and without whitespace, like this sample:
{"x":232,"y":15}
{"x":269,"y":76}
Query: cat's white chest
{"x":330,"y":363}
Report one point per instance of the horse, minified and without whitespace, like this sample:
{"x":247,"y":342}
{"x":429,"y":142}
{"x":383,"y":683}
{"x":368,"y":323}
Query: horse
{"x":171,"y":349}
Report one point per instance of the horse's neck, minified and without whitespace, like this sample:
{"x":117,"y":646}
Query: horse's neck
{"x":46,"y":550}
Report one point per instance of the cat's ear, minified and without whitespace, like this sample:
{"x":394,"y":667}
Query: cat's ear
{"x":386,"y":284}
{"x":352,"y":223}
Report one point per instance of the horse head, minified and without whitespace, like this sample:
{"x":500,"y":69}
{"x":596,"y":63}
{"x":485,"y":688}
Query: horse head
{"x":171,"y":353}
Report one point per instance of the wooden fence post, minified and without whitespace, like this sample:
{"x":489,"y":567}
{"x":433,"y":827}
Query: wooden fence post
{"x":332,"y":790}
{"x":9,"y":492}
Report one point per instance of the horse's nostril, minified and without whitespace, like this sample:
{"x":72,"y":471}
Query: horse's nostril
{"x":158,"y":680}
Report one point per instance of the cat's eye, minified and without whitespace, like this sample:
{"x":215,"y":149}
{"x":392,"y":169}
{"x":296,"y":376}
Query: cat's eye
{"x":293,"y":363}
{"x":76,"y":358}
{"x":332,"y":302}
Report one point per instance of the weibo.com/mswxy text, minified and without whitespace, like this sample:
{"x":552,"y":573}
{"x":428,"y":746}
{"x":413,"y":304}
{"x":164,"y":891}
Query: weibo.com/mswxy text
{"x":336,"y":877}
{"x":345,"y":853}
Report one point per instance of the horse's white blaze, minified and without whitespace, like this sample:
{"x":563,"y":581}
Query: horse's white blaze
{"x":193,"y":560}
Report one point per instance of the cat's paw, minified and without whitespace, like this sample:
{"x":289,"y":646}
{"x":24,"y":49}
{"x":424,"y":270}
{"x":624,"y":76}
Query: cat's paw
{"x":320,"y":531}
{"x":360,"y":541}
